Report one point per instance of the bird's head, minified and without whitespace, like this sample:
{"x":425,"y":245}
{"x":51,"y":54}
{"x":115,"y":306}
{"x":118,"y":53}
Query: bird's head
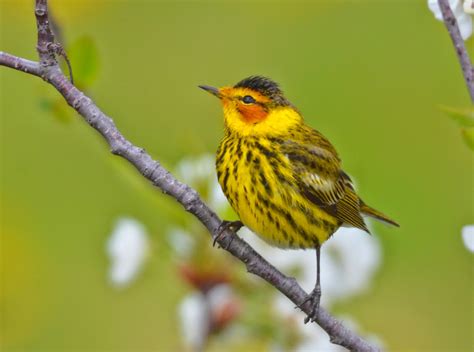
{"x":256,"y":106}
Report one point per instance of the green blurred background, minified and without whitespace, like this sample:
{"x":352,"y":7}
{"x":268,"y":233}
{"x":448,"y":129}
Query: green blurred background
{"x":369,"y":74}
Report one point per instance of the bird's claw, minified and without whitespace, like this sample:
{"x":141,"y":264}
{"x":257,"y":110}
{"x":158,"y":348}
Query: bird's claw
{"x":224,"y":226}
{"x":315,"y":298}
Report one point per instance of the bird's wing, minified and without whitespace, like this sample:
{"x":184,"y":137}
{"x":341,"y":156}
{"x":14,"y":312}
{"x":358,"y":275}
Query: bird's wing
{"x":317,"y":170}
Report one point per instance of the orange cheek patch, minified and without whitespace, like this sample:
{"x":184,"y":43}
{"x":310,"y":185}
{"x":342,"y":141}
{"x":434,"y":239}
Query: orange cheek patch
{"x":252,"y":113}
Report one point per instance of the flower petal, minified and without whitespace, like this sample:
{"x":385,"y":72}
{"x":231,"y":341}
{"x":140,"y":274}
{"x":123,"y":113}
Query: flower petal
{"x":468,"y":237}
{"x":469,"y":7}
{"x":127,"y":248}
{"x":465,"y":25}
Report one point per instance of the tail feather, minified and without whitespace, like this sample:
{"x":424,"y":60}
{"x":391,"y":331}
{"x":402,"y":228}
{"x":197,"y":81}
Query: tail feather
{"x":366,"y":210}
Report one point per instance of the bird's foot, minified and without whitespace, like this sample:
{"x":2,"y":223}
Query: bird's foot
{"x":224,"y":226}
{"x":314,"y":297}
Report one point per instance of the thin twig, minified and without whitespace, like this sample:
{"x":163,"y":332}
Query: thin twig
{"x":20,"y":64}
{"x":453,"y":29}
{"x":58,"y":49}
{"x":161,"y":178}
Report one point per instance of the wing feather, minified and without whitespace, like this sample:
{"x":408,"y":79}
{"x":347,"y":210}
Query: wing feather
{"x":317,"y":170}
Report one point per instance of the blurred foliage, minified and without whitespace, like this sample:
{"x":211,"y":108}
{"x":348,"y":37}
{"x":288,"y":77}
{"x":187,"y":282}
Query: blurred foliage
{"x":84,"y":57}
{"x":465,"y":119}
{"x":368,"y":74}
{"x":468,"y":134}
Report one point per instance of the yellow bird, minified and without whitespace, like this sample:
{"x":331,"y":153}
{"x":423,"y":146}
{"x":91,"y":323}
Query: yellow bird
{"x":282,"y":177}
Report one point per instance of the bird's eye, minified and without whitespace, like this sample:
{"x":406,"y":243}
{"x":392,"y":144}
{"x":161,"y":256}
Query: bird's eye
{"x":248,"y":99}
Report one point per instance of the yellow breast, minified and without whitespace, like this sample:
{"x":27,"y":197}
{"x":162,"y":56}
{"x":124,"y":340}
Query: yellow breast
{"x":257,"y":180}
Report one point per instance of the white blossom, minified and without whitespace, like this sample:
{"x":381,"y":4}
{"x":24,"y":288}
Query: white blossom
{"x":193,"y":314}
{"x":127,"y":249}
{"x":468,"y":7}
{"x":461,"y":12}
{"x":316,"y":339}
{"x":219,"y":296}
{"x":349,"y":260}
{"x":197,"y":310}
{"x":468,"y":237}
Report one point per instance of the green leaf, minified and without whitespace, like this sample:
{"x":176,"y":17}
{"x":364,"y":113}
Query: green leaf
{"x":85,"y":62}
{"x":468,"y":135}
{"x":62,"y":111}
{"x":57,"y":107}
{"x":463,"y":116}
{"x":46,"y":104}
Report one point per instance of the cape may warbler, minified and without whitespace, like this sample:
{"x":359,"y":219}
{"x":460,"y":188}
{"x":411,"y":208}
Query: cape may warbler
{"x":283,"y":178}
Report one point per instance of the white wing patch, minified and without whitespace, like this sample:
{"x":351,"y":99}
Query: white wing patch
{"x":318,"y":182}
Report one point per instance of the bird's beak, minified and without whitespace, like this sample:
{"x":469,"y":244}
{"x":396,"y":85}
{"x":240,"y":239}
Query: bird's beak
{"x":212,"y":90}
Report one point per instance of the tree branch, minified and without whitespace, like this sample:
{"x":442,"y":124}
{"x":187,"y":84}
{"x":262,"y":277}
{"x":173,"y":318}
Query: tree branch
{"x":49,"y":70}
{"x":45,"y":35}
{"x":463,"y":57}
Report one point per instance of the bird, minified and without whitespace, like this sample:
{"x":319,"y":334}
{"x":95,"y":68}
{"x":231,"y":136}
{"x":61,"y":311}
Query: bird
{"x":282,"y":177}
